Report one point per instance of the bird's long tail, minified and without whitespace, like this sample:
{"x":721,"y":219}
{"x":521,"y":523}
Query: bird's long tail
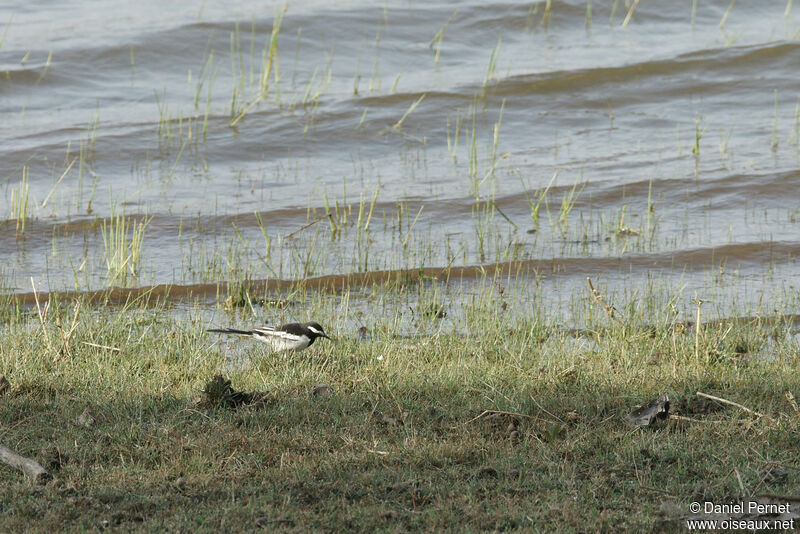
{"x":230,"y":331}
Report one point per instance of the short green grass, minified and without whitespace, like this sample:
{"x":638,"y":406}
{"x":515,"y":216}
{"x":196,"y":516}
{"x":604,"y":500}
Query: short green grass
{"x":402,"y":442}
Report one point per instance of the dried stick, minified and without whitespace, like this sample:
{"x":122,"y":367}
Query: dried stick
{"x":731,"y":403}
{"x":739,"y":479}
{"x":608,"y":309}
{"x":697,"y":331}
{"x":31,"y":468}
{"x":63,"y":175}
{"x":42,"y":315}
{"x":65,"y":338}
{"x":329,"y":214}
{"x":112,"y":349}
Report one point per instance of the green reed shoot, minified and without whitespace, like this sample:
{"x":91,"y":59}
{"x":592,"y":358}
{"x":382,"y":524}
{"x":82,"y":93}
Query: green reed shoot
{"x":361,"y":207}
{"x":92,"y":192}
{"x":333,"y":218}
{"x":177,"y":160}
{"x":399,"y":124}
{"x":495,"y":142}
{"x":452,"y":146}
{"x":530,"y":19}
{"x":310,"y":87}
{"x":364,"y":216}
{"x":588,"y":14}
{"x":238,"y":36}
{"x":731,"y":38}
{"x":629,"y":15}
{"x":545,"y":21}
{"x":410,"y":228}
{"x":651,"y":209}
{"x":341,"y":213}
{"x":5,"y":31}
{"x":271,"y":53}
{"x":723,"y":145}
{"x":309,"y":261}
{"x":402,"y":207}
{"x":297,"y":55}
{"x":61,"y":178}
{"x":699,"y":131}
{"x":795,"y":135}
{"x":727,"y":14}
{"x":774,"y":142}
{"x":122,"y":241}
{"x":490,"y":69}
{"x":437,"y":39}
{"x":208,"y":62}
{"x":164,"y":119}
{"x":267,"y":240}
{"x":473,"y":149}
{"x":207,"y":111}
{"x":47,"y":64}
{"x":482,"y":213}
{"x":540,"y":195}
{"x":91,"y":133}
{"x":373,"y":86}
{"x":237,"y":69}
{"x":19,"y":204}
{"x":568,"y":201}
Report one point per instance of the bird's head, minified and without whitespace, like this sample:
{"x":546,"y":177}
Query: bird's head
{"x":317,"y":330}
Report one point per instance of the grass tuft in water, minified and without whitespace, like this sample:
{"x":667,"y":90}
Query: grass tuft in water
{"x":123,"y":237}
{"x":20,"y":210}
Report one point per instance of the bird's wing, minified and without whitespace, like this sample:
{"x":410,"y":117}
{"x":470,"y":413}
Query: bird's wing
{"x":268,"y":332}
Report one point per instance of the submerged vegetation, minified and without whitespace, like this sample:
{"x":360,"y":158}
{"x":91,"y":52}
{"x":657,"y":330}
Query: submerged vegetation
{"x":404,"y":234}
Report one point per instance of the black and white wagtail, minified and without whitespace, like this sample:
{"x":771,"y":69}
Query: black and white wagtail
{"x":291,"y":337}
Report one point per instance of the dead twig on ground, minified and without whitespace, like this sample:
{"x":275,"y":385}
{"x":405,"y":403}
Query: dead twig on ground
{"x":106,"y":347}
{"x":730,"y":403}
{"x":42,"y":315}
{"x":31,"y":468}
{"x":697,"y":331}
{"x":65,"y":338}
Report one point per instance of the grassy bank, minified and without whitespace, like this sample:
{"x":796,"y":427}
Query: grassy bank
{"x":515,"y":426}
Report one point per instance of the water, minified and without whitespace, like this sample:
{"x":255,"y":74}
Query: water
{"x":677,"y":131}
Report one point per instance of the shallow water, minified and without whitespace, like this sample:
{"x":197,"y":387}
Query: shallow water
{"x":679,"y":128}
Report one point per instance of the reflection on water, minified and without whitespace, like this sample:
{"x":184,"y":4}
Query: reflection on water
{"x":627,"y":146}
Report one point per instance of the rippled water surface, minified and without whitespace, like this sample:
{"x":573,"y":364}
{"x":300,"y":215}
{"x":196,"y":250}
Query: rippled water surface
{"x":660,"y":143}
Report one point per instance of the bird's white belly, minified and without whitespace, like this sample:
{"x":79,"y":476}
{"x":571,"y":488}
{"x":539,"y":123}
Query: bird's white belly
{"x":279,"y":344}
